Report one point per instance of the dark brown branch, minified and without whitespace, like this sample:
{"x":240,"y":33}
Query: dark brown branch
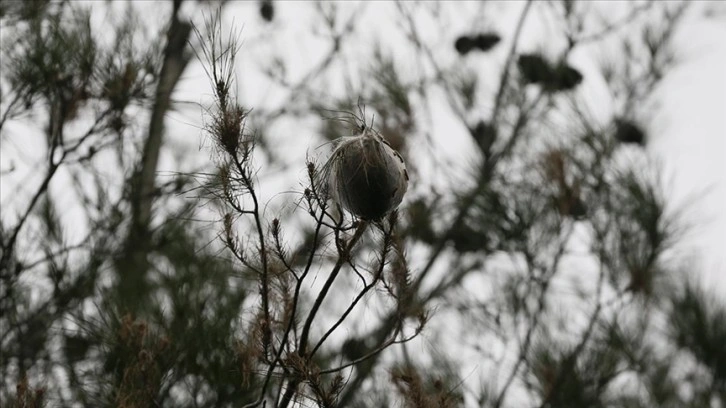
{"x":534,"y":324}
{"x":342,"y":259}
{"x":372,"y":353}
{"x":304,"y":337}
{"x":609,"y":28}
{"x":291,"y":322}
{"x":366,"y":288}
{"x":247,"y":182}
{"x":571,"y":360}
{"x":9,"y":246}
{"x":134,"y":263}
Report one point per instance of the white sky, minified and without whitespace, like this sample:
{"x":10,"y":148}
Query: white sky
{"x":688,"y":130}
{"x":691,"y":141}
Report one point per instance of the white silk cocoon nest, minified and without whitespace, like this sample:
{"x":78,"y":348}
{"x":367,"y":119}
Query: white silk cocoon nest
{"x":366,"y":176}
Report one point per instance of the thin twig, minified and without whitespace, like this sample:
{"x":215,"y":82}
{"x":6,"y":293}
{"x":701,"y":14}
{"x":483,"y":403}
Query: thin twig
{"x":342,"y":258}
{"x":291,"y":322}
{"x":363,"y":292}
{"x":304,"y":337}
{"x":534,"y":323}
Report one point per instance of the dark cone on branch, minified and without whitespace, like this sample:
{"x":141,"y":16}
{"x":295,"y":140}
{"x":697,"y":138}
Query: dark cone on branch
{"x":534,"y":68}
{"x":578,"y":210}
{"x":571,"y":205}
{"x":267,"y":10}
{"x":466,"y":239}
{"x":463,"y":45}
{"x":486,"y":41}
{"x":354,"y":348}
{"x":629,"y":132}
{"x":482,"y":42}
{"x":565,"y":78}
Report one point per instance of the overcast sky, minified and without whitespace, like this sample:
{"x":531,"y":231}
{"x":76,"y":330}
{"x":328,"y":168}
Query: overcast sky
{"x":693,"y":141}
{"x":687,"y":131}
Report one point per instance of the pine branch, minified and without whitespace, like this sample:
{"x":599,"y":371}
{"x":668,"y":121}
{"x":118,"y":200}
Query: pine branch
{"x":135,"y":263}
